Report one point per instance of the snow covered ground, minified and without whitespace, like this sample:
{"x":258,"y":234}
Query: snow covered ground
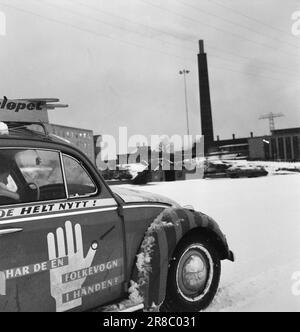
{"x":261,"y":218}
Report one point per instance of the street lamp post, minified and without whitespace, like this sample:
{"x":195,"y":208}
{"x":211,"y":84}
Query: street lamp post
{"x":184,"y":73}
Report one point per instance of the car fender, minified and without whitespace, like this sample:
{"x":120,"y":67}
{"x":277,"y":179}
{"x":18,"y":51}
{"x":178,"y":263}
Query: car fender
{"x":150,"y":274}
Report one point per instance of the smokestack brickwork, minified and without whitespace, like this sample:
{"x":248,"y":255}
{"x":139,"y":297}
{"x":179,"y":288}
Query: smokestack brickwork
{"x":205,"y":101}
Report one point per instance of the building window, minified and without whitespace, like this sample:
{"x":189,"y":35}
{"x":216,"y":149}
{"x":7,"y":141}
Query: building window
{"x":274,"y":149}
{"x":281,"y":148}
{"x":296,"y":147}
{"x":288,"y":144}
{"x":267,"y":150}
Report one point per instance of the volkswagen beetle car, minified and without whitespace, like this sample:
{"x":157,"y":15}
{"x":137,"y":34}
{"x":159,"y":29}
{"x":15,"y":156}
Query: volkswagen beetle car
{"x":68,"y":242}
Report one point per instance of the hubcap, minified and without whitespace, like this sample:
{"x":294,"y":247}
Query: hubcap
{"x":194,"y":273}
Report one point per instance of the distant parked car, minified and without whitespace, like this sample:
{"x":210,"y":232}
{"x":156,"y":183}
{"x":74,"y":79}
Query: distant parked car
{"x":246,"y":171}
{"x":215,"y":169}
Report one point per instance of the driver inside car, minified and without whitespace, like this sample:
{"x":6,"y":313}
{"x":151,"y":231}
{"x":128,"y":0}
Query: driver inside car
{"x":5,"y":166}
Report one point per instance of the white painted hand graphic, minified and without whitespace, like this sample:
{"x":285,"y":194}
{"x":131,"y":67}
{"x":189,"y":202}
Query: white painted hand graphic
{"x":2,"y":284}
{"x":77,"y":262}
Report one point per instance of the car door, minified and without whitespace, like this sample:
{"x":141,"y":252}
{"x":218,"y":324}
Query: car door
{"x":61,"y":243}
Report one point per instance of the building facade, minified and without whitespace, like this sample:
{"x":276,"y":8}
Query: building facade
{"x":259,"y":148}
{"x":285,"y":144}
{"x":83,"y":139}
{"x":282,"y":145}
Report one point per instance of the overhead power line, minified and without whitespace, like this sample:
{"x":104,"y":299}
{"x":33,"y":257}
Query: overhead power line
{"x":235,"y":24}
{"x":233,"y":10}
{"x":105,"y":12}
{"x":114,"y":26}
{"x":85,"y":30}
{"x":217,"y":28}
{"x":275,"y":68}
{"x":99,"y":34}
{"x":269,"y":64}
{"x":252,"y":66}
{"x":224,"y":68}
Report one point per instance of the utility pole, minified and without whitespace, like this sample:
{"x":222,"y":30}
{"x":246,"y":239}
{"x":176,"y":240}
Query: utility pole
{"x":271,"y":117}
{"x":185,"y":73}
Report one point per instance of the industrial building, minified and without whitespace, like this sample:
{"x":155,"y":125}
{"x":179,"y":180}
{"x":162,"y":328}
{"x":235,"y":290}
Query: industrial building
{"x":281,"y":145}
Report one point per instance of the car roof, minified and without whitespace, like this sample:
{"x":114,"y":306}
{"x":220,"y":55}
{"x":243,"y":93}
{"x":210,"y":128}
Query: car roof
{"x":25,"y":131}
{"x":19,"y":134}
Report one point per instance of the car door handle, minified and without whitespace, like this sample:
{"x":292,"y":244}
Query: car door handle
{"x":10,"y":231}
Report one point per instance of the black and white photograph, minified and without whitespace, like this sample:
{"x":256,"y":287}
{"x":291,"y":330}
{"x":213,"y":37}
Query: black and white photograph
{"x":149,"y":158}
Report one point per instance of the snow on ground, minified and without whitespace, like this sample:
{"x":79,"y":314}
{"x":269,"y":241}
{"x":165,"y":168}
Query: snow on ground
{"x":261,"y":219}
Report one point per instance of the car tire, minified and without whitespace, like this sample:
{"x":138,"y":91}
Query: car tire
{"x":194,"y":276}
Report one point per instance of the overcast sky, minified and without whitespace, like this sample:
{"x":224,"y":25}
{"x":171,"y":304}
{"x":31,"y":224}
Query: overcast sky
{"x":117,"y":62}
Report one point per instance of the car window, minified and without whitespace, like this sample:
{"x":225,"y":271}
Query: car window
{"x":30,"y":176}
{"x":40,"y":167}
{"x":79,"y":182}
{"x":43,"y":172}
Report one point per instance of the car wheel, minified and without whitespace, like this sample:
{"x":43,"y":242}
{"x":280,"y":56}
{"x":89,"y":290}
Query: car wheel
{"x":194,"y":276}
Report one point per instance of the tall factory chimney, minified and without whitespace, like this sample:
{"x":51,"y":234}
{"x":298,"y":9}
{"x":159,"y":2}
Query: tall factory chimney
{"x":205,"y":102}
